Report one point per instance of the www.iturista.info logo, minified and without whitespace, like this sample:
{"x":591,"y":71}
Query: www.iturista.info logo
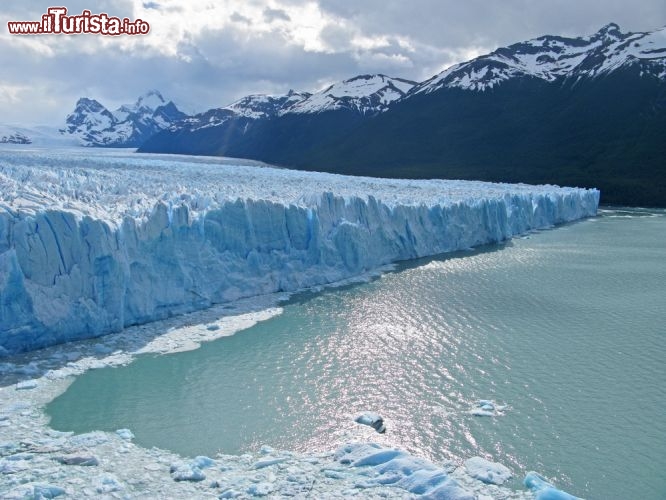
{"x":57,"y":22}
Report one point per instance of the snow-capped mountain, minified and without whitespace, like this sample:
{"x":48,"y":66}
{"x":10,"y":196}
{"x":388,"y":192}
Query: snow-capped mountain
{"x":361,"y":95}
{"x":128,"y":126}
{"x":551,"y":58}
{"x":265,"y":106}
{"x":88,"y":118}
{"x":365,"y":94}
{"x":248,"y":108}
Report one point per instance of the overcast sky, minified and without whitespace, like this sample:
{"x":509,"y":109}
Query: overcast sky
{"x":208,"y":53}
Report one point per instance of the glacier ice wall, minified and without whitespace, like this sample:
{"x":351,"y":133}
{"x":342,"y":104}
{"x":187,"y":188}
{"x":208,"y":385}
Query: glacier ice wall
{"x":67,"y":273}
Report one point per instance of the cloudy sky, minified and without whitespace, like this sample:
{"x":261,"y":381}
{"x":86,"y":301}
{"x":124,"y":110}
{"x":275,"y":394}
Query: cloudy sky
{"x":207,"y":53}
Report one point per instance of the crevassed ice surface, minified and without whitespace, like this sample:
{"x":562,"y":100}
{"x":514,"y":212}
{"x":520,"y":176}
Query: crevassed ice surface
{"x":94,"y":241}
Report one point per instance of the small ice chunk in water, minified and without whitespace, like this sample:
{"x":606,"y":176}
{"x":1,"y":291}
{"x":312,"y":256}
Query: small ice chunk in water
{"x":544,"y":490}
{"x":202,"y":462}
{"x":186,"y":472}
{"x":261,"y":489}
{"x":373,"y":420}
{"x":487,"y":408}
{"x":34,"y":490}
{"x":486,"y":471}
{"x":108,"y":484}
{"x":78,"y":459}
{"x":268,"y":462}
{"x":125,"y":434}
{"x":480,"y":412}
{"x":230,"y":494}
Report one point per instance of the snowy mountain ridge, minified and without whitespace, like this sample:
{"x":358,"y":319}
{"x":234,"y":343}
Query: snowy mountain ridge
{"x":251,"y":107}
{"x":94,"y":125}
{"x":264,"y":106}
{"x":363,"y":95}
{"x":551,"y":58}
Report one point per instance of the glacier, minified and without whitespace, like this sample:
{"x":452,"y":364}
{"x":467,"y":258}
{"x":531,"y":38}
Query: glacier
{"x":92,"y":242}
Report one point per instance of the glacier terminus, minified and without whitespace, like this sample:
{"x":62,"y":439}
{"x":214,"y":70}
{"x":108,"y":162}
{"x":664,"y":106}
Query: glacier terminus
{"x":92,"y":242}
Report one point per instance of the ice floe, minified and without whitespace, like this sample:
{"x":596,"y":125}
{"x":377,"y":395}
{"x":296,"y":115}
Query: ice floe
{"x":488,"y":408}
{"x":373,"y":420}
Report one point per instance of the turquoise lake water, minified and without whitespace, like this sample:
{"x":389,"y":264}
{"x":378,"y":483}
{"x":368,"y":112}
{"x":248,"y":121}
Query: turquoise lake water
{"x":565,"y":326}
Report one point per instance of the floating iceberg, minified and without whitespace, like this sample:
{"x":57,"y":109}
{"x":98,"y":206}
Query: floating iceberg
{"x":544,"y":490}
{"x":93,"y":242}
{"x":487,"y":408}
{"x":371,"y":419}
{"x":125,"y":434}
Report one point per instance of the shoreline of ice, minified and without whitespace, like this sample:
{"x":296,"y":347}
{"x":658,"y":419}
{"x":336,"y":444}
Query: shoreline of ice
{"x":37,"y":460}
{"x":94,"y":242}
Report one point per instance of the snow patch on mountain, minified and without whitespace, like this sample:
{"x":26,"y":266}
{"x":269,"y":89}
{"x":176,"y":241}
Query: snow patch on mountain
{"x":365,"y":94}
{"x":552,"y":58}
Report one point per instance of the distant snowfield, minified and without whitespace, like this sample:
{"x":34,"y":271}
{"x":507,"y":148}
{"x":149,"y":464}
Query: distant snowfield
{"x":93,"y":241}
{"x":39,"y":136}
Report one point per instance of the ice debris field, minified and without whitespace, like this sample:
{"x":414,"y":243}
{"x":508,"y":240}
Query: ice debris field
{"x":98,"y":242}
{"x":38,"y":462}
{"x":93,"y":242}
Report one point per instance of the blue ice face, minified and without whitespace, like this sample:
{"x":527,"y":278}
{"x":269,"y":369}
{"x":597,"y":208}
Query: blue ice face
{"x":81,"y":256}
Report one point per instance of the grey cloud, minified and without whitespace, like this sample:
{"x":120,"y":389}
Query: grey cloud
{"x":239,"y":18}
{"x":337,"y":36}
{"x":451,"y":22}
{"x":271,"y":15}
